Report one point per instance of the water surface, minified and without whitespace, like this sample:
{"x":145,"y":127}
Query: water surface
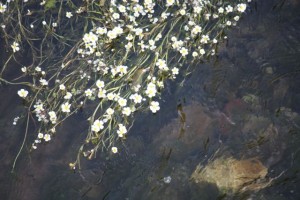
{"x":243,"y":104}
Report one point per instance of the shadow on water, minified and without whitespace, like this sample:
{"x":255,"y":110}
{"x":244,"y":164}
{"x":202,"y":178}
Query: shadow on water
{"x":241,"y":110}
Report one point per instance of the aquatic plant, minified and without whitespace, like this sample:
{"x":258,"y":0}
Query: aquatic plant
{"x":112,"y":55}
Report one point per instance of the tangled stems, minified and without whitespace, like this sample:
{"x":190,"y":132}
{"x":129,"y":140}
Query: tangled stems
{"x":113,"y":56}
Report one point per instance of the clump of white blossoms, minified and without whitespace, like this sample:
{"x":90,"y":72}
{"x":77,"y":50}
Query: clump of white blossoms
{"x":120,"y":63}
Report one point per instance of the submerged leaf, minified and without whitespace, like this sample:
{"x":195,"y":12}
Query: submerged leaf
{"x":50,"y":4}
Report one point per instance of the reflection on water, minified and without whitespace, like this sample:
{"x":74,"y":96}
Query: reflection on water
{"x":241,"y":108}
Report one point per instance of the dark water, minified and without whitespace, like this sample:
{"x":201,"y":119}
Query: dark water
{"x":244,"y":104}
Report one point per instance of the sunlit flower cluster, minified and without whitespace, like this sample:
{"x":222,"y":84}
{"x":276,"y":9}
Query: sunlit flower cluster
{"x":121,"y":62}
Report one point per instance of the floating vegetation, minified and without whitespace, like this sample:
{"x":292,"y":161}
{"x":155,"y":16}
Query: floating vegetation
{"x":112,"y":55}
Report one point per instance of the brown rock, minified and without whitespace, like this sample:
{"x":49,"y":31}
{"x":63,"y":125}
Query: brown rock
{"x":233,"y":175}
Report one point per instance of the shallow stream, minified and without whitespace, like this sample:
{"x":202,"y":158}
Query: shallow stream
{"x":240,"y":107}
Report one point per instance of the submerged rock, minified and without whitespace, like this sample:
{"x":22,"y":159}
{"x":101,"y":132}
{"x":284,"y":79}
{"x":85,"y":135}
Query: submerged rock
{"x":232,"y":175}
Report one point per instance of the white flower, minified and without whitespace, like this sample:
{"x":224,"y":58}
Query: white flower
{"x":175,"y":71}
{"x":62,"y":87}
{"x":88,"y":92}
{"x":44,"y":22}
{"x":122,"y":69}
{"x":186,"y":28}
{"x":138,"y":31}
{"x":197,"y":9}
{"x":182,"y":12}
{"x":136,"y":98}
{"x":38,"y":69}
{"x":177,"y":44}
{"x":116,"y":15}
{"x":160,"y":84}
{"x":215,"y":16}
{"x":40,"y":135}
{"x":241,"y":7}
{"x":126,"y":111}
{"x":122,"y":8}
{"x":129,"y":37}
{"x":122,"y":102}
{"x":65,"y":107}
{"x":204,"y":39}
{"x":114,"y":149}
{"x":158,"y":37}
{"x":110,"y":111}
{"x":53,"y":117}
{"x":23,"y":93}
{"x":69,"y":14}
{"x":79,"y":10}
{"x":101,"y":31}
{"x":118,"y":30}
{"x":148,"y":2}
{"x":151,"y":90}
{"x":207,"y":16}
{"x":43,"y":82}
{"x":38,"y":107}
{"x":236,"y":18}
{"x":221,"y":10}
{"x":228,"y":23}
{"x":97,"y":125}
{"x":151,"y":42}
{"x":184,"y":51}
{"x":138,"y":9}
{"x":202,"y":51}
{"x":38,"y":141}
{"x":229,"y":9}
{"x":24,"y":69}
{"x":111,"y":96}
{"x":90,"y":39}
{"x":122,"y":130}
{"x":100,"y":84}
{"x":162,"y":65}
{"x":170,"y":2}
{"x":102,"y":93}
{"x":165,"y":15}
{"x":15,"y":47}
{"x":197,"y":29}
{"x":154,"y":106}
{"x":47,"y":137}
{"x":194,"y":54}
{"x":112,"y":34}
{"x":128,"y":45}
{"x":68,"y":95}
{"x":2,"y":8}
